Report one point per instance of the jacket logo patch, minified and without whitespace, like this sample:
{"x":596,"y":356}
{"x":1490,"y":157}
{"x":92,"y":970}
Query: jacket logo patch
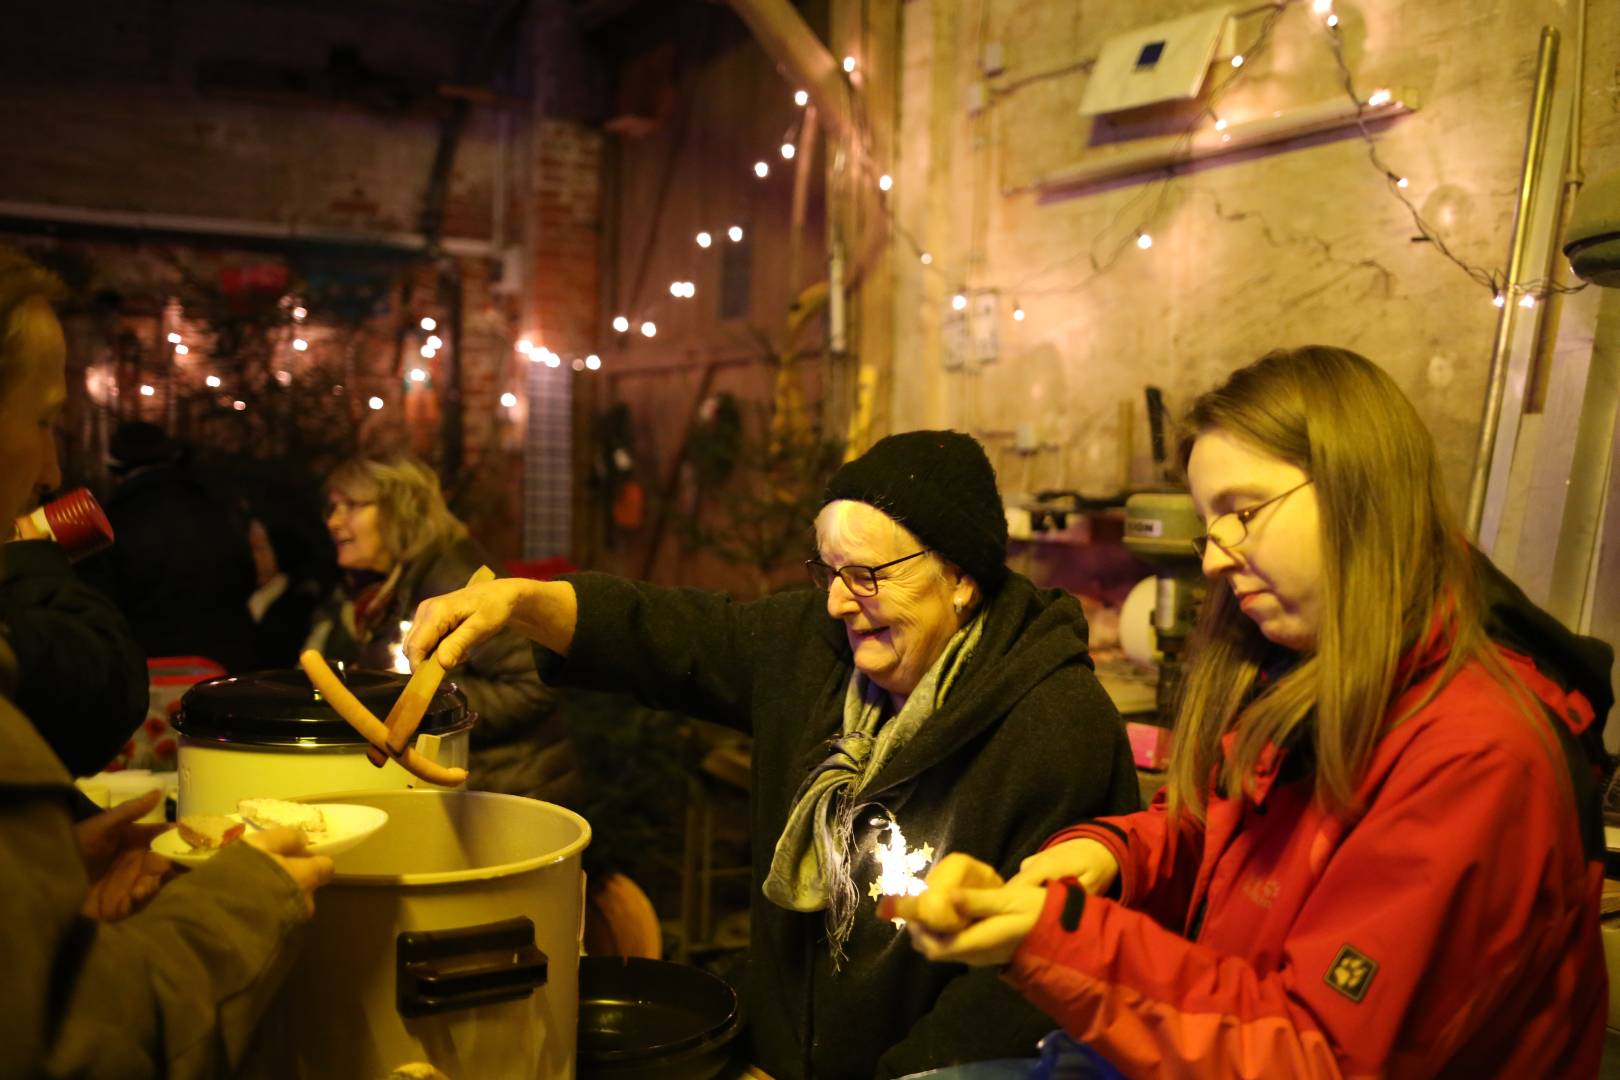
{"x":1352,"y":972}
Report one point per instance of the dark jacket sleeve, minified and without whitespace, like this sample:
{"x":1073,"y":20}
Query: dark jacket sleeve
{"x":83,"y":678}
{"x":175,"y":990}
{"x":687,"y":650}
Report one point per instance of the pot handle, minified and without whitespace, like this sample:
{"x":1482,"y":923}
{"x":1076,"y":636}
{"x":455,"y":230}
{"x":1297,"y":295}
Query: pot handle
{"x":444,"y":970}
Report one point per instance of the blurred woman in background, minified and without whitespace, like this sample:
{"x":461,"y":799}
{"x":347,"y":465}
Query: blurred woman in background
{"x":397,"y":545}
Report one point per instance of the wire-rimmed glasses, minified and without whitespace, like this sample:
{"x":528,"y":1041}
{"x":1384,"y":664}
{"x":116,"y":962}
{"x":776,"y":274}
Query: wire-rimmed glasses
{"x":1232,"y":528}
{"x":859,"y":580}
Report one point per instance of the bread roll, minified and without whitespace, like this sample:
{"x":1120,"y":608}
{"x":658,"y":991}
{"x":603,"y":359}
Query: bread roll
{"x":278,"y":813}
{"x":209,"y":830}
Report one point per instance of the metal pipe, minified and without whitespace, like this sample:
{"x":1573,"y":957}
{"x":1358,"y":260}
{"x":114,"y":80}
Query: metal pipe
{"x":281,"y":233}
{"x":788,"y":40}
{"x":1529,"y":177}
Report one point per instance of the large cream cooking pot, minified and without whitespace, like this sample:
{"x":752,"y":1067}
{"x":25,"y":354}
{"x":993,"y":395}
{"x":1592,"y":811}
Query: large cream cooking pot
{"x":270,"y":734}
{"x":451,"y":936}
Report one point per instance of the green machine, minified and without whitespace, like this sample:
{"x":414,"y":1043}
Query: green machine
{"x":1160,"y":527}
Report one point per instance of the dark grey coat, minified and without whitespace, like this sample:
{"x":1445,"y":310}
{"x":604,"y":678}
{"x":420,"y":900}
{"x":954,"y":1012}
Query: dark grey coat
{"x":1026,"y":743}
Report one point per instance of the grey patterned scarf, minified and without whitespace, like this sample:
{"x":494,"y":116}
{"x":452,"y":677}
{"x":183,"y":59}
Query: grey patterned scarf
{"x":810,"y":870}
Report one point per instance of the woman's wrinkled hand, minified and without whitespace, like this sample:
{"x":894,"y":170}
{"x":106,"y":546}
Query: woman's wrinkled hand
{"x":1087,"y":861}
{"x":115,"y":846}
{"x":285,"y":846}
{"x":967,"y":914}
{"x":454,"y":624}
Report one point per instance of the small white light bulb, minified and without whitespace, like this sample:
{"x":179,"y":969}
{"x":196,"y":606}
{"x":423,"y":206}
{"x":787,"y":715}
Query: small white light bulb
{"x":553,"y":360}
{"x":146,"y":390}
{"x":704,"y":239}
{"x":1401,"y":181}
{"x":376,"y":403}
{"x":621,"y":324}
{"x":801,"y":98}
{"x":577,"y":364}
{"x":182,"y":350}
{"x":1380,"y":97}
{"x":1499,"y":300}
{"x":525,"y":346}
{"x":649,"y":329}
{"x":174,"y":339}
{"x":1018,"y":314}
{"x":788,"y":150}
{"x":761,"y":169}
{"x":1527,"y":301}
{"x":300,"y":345}
{"x":212,"y":382}
{"x":284,"y":377}
{"x":959,"y":302}
{"x":1321,"y":7}
{"x":428,"y":352}
{"x":1237,"y":61}
{"x":926,"y":259}
{"x":434,"y":341}
{"x":239,"y":405}
{"x":509,"y":399}
{"x":300,"y":313}
{"x":1220,"y":123}
{"x":885,"y":182}
{"x":676,"y":289}
{"x":735,"y":233}
{"x":1144,"y":241}
{"x":429,"y":324}
{"x":849,"y":65}
{"x":1332,"y":21}
{"x":593,"y":361}
{"x":418,"y":375}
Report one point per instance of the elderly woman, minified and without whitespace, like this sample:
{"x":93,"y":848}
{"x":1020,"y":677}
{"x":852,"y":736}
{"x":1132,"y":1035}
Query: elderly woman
{"x":175,"y":989}
{"x":398,"y":544}
{"x":1380,"y":854}
{"x":924,"y":692}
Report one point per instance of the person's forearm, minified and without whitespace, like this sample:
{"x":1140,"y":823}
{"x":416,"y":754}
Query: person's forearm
{"x":547,"y":613}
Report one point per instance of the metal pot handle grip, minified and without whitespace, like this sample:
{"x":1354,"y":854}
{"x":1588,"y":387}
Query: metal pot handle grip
{"x":444,"y":970}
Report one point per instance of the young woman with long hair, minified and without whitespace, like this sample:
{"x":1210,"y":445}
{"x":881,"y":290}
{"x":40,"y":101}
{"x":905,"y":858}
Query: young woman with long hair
{"x":1374,"y":855}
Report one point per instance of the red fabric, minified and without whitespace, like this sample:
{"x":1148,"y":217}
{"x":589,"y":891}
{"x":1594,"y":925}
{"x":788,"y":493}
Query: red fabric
{"x":540,"y":569}
{"x":1463,"y":880}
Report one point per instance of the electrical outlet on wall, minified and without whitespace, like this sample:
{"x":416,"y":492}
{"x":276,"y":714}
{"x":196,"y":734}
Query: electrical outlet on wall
{"x":991,"y":60}
{"x":954,"y":343}
{"x":986,"y":306}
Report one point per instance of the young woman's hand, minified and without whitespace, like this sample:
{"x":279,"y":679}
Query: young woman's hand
{"x":967,"y":915}
{"x":1087,"y":861}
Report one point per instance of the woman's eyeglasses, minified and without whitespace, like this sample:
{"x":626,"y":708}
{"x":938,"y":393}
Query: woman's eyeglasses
{"x":342,"y":507}
{"x":1232,"y":528}
{"x":859,"y":580}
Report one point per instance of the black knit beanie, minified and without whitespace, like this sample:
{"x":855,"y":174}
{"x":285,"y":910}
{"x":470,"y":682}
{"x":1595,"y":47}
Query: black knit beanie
{"x":941,"y":486}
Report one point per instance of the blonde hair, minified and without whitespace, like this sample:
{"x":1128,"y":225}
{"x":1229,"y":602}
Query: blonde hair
{"x":1395,"y":567}
{"x":22,"y":282}
{"x":411,"y":512}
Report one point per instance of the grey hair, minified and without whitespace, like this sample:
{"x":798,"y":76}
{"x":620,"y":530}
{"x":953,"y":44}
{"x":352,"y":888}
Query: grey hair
{"x":840,"y":525}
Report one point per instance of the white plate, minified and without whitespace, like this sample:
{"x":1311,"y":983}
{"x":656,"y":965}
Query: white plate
{"x":346,"y":825}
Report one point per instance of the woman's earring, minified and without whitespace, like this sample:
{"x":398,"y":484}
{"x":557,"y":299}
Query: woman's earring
{"x":959,"y":604}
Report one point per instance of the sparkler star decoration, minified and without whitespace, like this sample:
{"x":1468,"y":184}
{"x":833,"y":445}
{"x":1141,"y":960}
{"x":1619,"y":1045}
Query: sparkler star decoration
{"x":900,"y":869}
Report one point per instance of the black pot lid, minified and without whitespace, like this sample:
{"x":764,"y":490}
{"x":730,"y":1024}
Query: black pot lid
{"x":278,"y":708}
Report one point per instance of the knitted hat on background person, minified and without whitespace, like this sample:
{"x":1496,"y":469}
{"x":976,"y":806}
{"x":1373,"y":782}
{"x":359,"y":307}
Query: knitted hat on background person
{"x":941,"y":486}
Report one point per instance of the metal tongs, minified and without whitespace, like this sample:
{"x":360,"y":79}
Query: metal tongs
{"x":392,"y":738}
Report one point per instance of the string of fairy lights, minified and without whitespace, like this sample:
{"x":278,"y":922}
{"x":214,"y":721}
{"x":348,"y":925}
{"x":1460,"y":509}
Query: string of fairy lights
{"x":1100,"y":255}
{"x":1115,"y":242}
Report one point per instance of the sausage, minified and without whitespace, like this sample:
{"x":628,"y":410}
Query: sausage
{"x":348,"y":706}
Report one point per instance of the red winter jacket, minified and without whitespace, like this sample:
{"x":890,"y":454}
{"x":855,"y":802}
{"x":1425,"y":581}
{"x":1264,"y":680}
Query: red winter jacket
{"x":1451,"y":929}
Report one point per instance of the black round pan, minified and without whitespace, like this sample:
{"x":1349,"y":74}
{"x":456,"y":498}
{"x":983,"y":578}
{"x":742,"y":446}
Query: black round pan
{"x":642,"y":1019}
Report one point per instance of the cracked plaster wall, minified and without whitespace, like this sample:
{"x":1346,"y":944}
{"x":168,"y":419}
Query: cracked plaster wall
{"x":1296,"y":244}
